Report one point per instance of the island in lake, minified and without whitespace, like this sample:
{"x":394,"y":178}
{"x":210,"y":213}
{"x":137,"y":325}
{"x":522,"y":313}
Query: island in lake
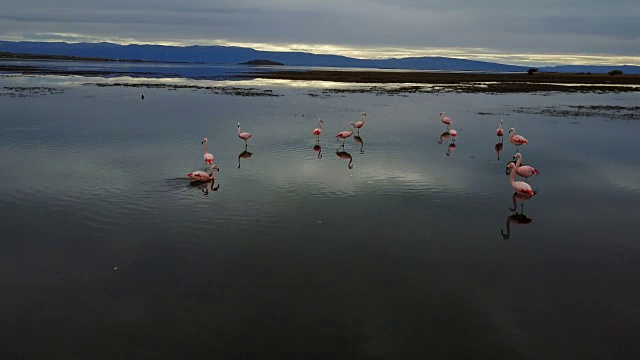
{"x":262,"y":62}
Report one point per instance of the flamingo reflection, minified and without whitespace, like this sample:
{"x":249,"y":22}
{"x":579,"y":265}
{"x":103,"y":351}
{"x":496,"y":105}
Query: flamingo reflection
{"x":358,"y":139}
{"x":317,"y":148}
{"x":444,"y":136}
{"x":451,"y":147}
{"x":498,"y":148}
{"x":345,"y":155}
{"x":518,"y":218}
{"x":204,"y":186}
{"x":244,"y":155}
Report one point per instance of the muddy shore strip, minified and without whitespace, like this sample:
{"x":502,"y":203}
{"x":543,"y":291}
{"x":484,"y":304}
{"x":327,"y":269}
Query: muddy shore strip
{"x":466,"y":82}
{"x":404,"y":82}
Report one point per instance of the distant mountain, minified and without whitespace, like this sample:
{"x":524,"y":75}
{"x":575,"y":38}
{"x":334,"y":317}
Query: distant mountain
{"x":234,"y":55}
{"x":262,"y":62}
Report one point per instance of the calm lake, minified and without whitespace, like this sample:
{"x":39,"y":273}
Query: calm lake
{"x":411,"y":252}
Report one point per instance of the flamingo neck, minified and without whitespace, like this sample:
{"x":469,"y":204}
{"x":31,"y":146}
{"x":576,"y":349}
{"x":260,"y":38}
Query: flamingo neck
{"x":320,"y":124}
{"x":512,"y":177}
{"x":238,"y":129}
{"x":206,"y":146}
{"x":517,"y":164}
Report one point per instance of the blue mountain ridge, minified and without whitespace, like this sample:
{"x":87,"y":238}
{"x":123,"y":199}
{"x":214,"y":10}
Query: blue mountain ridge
{"x":235,"y":55}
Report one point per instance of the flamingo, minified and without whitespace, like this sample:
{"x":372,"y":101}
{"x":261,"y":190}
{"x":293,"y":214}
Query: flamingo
{"x":524,"y":170}
{"x":500,"y":131}
{"x":345,"y":134}
{"x":445,"y":119}
{"x":516,"y":140}
{"x":345,"y":155}
{"x":318,"y":130}
{"x":520,"y":187}
{"x":208,"y":158}
{"x":203,"y":176}
{"x":243,"y":135}
{"x":453,"y":133}
{"x":360,"y":123}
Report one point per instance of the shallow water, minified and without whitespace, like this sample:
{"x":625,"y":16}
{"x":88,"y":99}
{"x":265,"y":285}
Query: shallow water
{"x":108,"y":251}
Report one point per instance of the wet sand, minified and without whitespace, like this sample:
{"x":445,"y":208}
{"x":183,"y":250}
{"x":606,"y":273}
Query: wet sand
{"x":468,"y":82}
{"x":402,"y":81}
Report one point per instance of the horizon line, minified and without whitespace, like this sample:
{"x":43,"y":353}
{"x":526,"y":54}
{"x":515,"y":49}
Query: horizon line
{"x":363,"y":53}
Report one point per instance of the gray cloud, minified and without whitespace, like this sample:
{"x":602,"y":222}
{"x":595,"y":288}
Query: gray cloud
{"x":545,"y":26}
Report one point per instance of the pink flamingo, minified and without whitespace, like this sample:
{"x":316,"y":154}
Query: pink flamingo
{"x":524,"y":170}
{"x":203,"y":176}
{"x":520,"y":187}
{"x":453,"y":133}
{"x":208,"y":158}
{"x":243,"y":135}
{"x":317,"y":131}
{"x":360,"y":123}
{"x":516,"y":140}
{"x":445,"y":119}
{"x":500,"y":130}
{"x":345,"y":134}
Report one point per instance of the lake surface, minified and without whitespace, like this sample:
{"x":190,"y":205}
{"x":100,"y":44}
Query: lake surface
{"x":109,"y":252}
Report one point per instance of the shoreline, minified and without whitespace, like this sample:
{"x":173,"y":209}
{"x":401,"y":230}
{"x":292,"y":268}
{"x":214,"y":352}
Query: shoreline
{"x":465,"y":82}
{"x":394,"y":82}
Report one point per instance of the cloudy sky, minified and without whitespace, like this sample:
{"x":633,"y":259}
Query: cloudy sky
{"x":509,"y":31}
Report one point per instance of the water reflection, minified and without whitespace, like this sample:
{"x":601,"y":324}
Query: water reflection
{"x":444,"y":136}
{"x":317,"y":148}
{"x":204,"y":186}
{"x":452,"y":146}
{"x":345,"y":155}
{"x":359,"y":140}
{"x":517,"y":218}
{"x":244,"y":155}
{"x":498,"y":148}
